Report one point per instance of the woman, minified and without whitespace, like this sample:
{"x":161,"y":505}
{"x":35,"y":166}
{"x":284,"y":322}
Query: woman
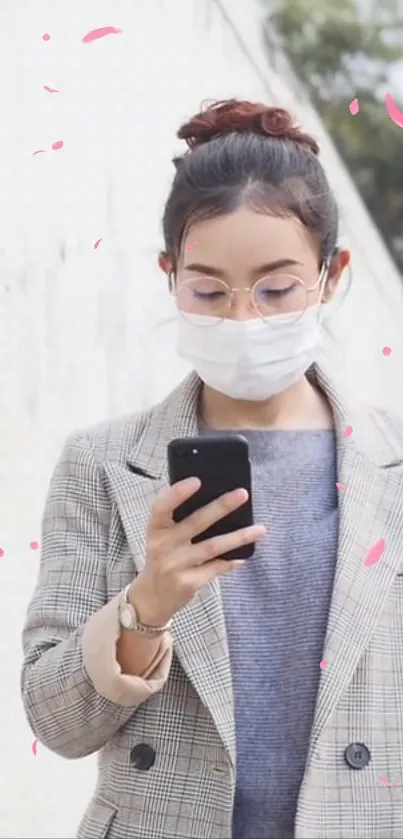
{"x":230,"y":700}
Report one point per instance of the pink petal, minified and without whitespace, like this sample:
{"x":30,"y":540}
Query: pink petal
{"x":340,"y":486}
{"x":393,"y":111}
{"x":323,"y":664}
{"x":385,"y":782}
{"x":95,"y":34}
{"x":97,"y":243}
{"x":386,"y":351}
{"x":46,"y":37}
{"x":374,"y":554}
{"x":34,"y":747}
{"x":348,"y":431}
{"x":1,"y":552}
{"x":57,"y":145}
{"x":50,"y":89}
{"x":354,"y":107}
{"x":34,"y":546}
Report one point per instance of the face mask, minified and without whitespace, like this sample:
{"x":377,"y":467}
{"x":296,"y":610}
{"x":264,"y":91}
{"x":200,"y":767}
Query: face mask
{"x":251,"y":359}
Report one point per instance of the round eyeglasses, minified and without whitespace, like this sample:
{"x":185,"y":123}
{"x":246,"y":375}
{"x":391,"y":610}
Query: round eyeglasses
{"x":276,"y":294}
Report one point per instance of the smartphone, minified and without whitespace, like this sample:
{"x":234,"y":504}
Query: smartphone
{"x":221,"y":462}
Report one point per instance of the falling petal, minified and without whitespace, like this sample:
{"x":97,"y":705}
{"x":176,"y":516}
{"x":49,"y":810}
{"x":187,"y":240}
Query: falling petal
{"x":50,"y":89}
{"x":354,"y":107}
{"x":57,"y":145}
{"x":348,"y":431}
{"x":374,"y":554}
{"x":393,"y":111}
{"x":34,"y":747}
{"x":95,"y":34}
{"x":323,"y":664}
{"x":386,"y":351}
{"x":46,"y":37}
{"x":340,"y":486}
{"x":34,"y":546}
{"x":1,"y":552}
{"x":97,"y":243}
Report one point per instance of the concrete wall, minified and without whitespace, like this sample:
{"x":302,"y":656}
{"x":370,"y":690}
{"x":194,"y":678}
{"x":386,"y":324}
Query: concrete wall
{"x":79,"y":333}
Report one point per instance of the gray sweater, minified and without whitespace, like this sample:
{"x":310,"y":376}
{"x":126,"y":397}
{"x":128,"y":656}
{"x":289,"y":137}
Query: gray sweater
{"x":276,"y":610}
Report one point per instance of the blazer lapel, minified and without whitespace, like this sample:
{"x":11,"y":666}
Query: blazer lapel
{"x":370,"y":468}
{"x":199,"y":632}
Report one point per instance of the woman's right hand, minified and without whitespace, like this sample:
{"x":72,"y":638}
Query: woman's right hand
{"x":176,"y":568}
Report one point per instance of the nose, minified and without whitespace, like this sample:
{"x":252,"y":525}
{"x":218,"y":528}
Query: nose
{"x":241,"y":306}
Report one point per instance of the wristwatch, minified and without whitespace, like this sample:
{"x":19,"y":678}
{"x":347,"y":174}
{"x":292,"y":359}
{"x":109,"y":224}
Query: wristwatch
{"x":129,"y":619}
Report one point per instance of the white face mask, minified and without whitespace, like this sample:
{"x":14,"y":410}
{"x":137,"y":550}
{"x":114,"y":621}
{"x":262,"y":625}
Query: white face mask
{"x":251,"y":359}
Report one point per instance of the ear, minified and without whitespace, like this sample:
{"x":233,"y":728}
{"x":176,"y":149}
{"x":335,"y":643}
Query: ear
{"x":164,"y":262}
{"x":338,"y":264}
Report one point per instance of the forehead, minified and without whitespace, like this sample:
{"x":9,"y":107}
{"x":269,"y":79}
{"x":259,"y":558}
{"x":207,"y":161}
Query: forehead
{"x":247,"y":237}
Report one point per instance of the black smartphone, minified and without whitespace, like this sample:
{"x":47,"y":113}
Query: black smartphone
{"x":221,"y":462}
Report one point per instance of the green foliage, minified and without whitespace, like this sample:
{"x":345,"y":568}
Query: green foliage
{"x":342,"y":52}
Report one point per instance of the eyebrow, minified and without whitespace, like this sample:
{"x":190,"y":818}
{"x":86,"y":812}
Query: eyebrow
{"x":199,"y":268}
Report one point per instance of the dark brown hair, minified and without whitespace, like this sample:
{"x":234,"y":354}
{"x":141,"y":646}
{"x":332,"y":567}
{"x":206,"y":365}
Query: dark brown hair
{"x":248,"y":153}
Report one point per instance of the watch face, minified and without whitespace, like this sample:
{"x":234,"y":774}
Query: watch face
{"x":126,"y":618}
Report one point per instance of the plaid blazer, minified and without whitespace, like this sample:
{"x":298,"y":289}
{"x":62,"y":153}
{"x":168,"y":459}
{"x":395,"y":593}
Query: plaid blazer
{"x":166,"y":741}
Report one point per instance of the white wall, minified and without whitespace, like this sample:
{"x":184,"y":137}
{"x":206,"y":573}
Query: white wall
{"x":78,"y":339}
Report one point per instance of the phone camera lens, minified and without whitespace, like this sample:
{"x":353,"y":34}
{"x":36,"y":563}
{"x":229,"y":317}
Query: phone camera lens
{"x":186,"y":452}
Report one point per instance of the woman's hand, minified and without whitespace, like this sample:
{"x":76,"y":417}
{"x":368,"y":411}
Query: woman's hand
{"x":175,"y":568}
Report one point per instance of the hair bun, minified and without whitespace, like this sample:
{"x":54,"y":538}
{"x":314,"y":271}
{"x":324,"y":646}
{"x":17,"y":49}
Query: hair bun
{"x":229,"y":115}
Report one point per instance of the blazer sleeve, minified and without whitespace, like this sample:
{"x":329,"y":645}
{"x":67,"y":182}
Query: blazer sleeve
{"x":74,"y":695}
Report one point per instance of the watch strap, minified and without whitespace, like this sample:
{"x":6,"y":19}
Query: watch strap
{"x":136,"y":625}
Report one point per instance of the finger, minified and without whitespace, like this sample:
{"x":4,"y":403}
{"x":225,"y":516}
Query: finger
{"x":202,"y":519}
{"x":170,"y":498}
{"x":211,"y":549}
{"x":218,"y":568}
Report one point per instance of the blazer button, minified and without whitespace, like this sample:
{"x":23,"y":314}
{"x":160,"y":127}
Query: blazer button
{"x":357,"y":755}
{"x":142,"y":757}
